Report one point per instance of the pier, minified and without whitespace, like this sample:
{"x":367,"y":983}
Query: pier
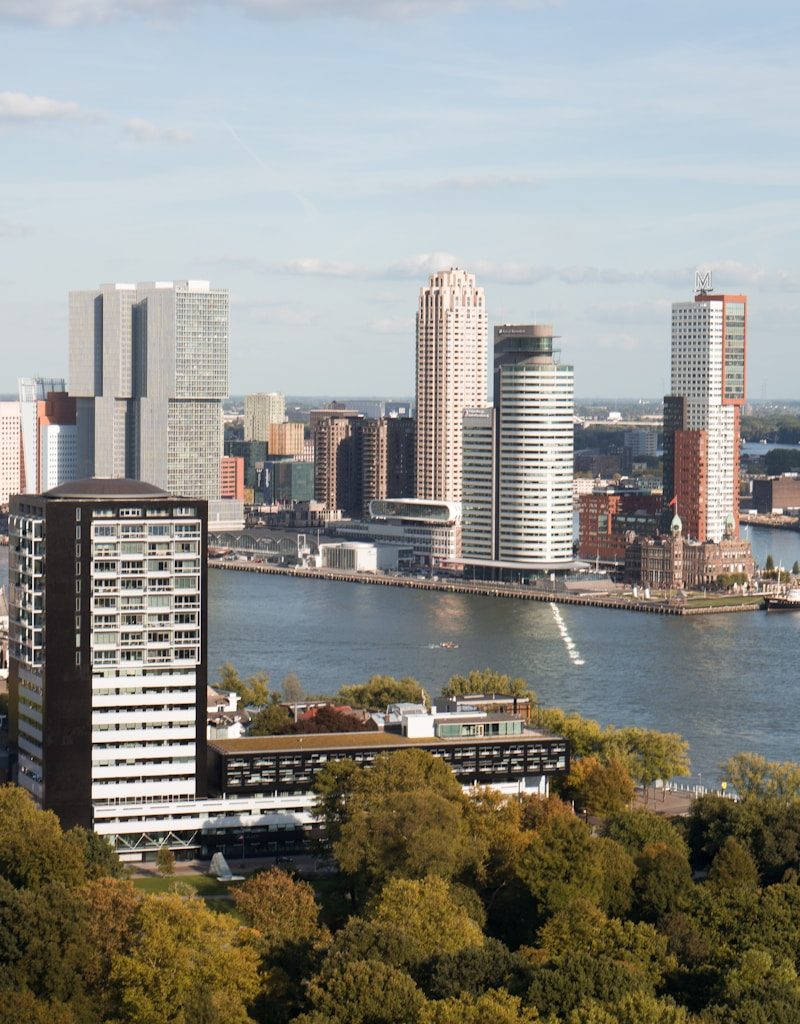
{"x":651,"y":607}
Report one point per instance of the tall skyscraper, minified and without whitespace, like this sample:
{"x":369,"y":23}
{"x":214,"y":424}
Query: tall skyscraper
{"x":49,"y":434}
{"x":107,"y":682}
{"x":451,"y":377}
{"x":702,"y":413}
{"x":517,"y":496}
{"x":10,"y":450}
{"x":260,"y":411}
{"x":149,"y":369}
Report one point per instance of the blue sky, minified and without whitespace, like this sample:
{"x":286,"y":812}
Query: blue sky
{"x":321,"y":157}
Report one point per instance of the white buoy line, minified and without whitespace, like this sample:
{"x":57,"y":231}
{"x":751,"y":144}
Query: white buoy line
{"x":569,"y":643}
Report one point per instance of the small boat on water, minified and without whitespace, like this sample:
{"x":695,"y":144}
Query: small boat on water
{"x":448,"y":645}
{"x":789,"y":602}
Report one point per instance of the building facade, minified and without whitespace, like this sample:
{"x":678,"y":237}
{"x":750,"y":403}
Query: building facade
{"x":777,"y":493}
{"x":231,"y":476}
{"x":260,"y":412}
{"x":702,"y":413}
{"x":452,"y":348}
{"x":432,"y":529}
{"x":285,"y":439}
{"x":677,"y":562}
{"x":10,"y":451}
{"x":387,"y":459}
{"x":149,"y":370}
{"x":607,"y":520}
{"x":49,"y":434}
{"x":107,"y":682}
{"x":518,"y":459}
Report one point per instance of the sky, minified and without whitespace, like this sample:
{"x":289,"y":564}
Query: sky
{"x":320,"y":158}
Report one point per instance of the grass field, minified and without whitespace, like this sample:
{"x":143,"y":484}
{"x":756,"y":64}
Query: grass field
{"x":202,"y":884}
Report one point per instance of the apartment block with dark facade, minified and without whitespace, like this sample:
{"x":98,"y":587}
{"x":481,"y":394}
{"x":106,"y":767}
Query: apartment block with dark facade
{"x":107,"y":682}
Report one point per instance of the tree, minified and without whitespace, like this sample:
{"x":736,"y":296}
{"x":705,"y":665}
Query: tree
{"x":362,"y":992}
{"x":292,"y":688}
{"x":733,"y":868}
{"x":633,"y":1008}
{"x":407,"y":924}
{"x":99,"y":856}
{"x":476,"y":970}
{"x":165,"y":861}
{"x":583,"y":956}
{"x":284,"y":911}
{"x":33,"y":849}
{"x":487,"y":681}
{"x":769,"y":565}
{"x":655,"y":755}
{"x":381,"y":691}
{"x":42,"y":940}
{"x":330,"y":719}
{"x":253,"y":692}
{"x":271,"y":720}
{"x":599,"y":788}
{"x":561,"y":864}
{"x":405,"y":815}
{"x":796,"y":568}
{"x":495,"y":825}
{"x":184,"y":964}
{"x":108,"y":929}
{"x":497,"y":1007}
{"x":663,"y":880}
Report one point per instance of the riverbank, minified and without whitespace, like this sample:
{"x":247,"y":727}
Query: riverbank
{"x":703,"y":606}
{"x":773,"y":522}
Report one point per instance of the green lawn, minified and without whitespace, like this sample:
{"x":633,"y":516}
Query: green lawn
{"x":731,"y":599}
{"x":202,"y":884}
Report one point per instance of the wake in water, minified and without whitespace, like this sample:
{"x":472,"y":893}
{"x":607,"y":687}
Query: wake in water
{"x":569,"y":643}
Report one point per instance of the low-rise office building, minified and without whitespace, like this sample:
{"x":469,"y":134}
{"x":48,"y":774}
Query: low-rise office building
{"x":431,"y":528}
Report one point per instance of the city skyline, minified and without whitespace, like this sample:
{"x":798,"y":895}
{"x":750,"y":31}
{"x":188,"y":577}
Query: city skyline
{"x":331,"y":157}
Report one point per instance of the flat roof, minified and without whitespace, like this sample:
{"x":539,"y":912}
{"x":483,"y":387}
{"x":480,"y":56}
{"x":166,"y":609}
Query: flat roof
{"x":364,"y":740}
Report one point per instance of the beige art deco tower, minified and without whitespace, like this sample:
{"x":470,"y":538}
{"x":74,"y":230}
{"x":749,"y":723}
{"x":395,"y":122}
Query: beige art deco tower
{"x":452,"y":351}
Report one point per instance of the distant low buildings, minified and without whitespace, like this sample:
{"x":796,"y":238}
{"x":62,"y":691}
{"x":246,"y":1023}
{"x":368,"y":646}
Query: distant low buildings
{"x":776,"y":494}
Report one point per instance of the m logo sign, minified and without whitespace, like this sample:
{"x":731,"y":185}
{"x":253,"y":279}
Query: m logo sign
{"x":702,"y":282}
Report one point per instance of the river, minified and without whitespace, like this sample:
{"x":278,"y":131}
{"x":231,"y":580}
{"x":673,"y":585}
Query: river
{"x":725,"y":682}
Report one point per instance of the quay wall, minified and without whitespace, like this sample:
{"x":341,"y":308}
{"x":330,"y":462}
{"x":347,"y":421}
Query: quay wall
{"x":487,"y":590}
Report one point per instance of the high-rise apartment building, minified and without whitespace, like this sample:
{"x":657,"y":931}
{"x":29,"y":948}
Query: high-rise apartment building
{"x":260,"y":411}
{"x":702,"y":414}
{"x":10,"y":450}
{"x":451,"y":377}
{"x":358,"y":460}
{"x":149,"y":370}
{"x":387,"y":459}
{"x":107,"y":682}
{"x":517,"y":493}
{"x":337,"y":462}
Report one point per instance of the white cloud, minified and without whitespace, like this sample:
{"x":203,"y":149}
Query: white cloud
{"x":20,"y":107}
{"x":734,"y":275}
{"x":140,"y":130}
{"x":73,"y":12}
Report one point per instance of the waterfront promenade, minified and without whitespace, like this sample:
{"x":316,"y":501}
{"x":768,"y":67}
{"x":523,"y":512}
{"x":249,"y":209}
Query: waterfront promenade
{"x":506,"y":590}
